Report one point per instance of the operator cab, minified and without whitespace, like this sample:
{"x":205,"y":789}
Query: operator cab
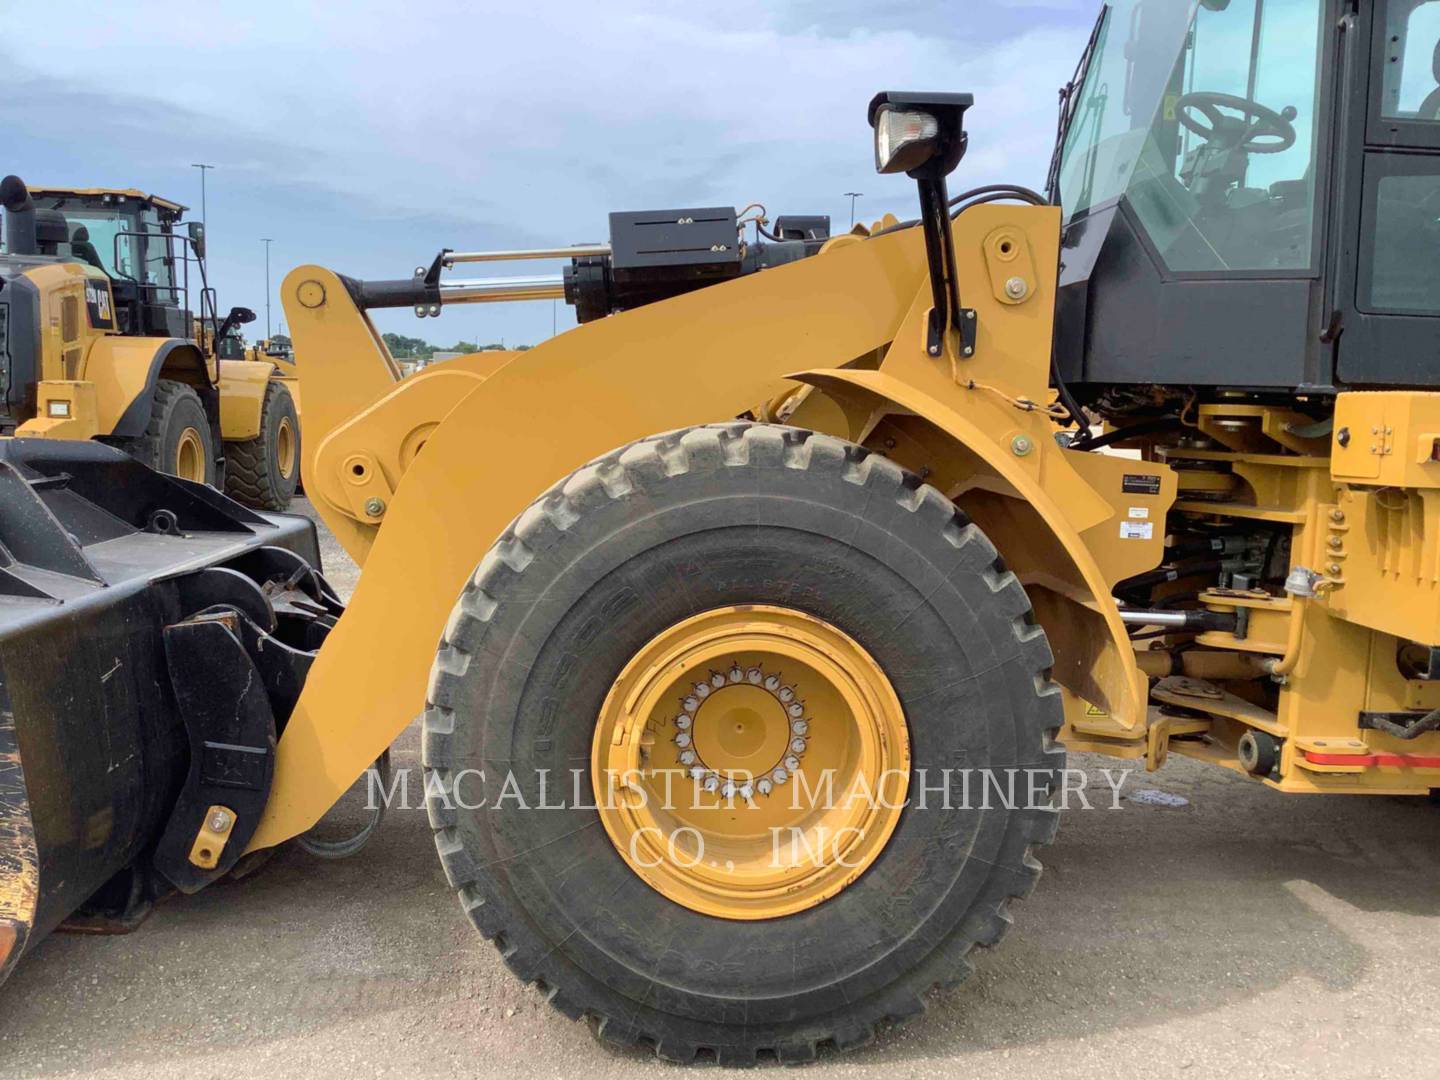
{"x":132,"y":237}
{"x":1251,"y":192}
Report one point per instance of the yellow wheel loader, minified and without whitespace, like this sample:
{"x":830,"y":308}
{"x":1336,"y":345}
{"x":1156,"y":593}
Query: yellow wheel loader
{"x":748,"y":619}
{"x":101,"y":341}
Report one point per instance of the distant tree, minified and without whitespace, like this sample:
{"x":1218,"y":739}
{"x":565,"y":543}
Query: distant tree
{"x":408,"y":348}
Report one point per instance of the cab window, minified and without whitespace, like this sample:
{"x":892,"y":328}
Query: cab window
{"x":1411,"y":81}
{"x":103,"y":231}
{"x":1400,"y":264}
{"x":1227,"y":179}
{"x":1206,"y":119}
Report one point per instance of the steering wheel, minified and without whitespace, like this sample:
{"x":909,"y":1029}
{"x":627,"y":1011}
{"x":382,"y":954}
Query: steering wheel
{"x":1258,"y":130}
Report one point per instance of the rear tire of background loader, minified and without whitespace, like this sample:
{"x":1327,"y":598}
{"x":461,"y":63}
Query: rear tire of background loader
{"x":634,"y":543}
{"x":178,"y":440}
{"x":264,"y":472}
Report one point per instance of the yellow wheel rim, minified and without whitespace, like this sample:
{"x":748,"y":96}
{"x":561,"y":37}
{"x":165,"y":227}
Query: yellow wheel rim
{"x":190,"y":456}
{"x":751,"y":762}
{"x":285,"y":448}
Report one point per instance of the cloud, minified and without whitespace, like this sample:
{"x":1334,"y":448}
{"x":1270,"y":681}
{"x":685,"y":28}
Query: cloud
{"x":532,"y":121}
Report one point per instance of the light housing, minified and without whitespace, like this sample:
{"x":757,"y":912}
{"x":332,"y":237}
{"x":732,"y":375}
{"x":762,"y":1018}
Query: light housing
{"x":904,"y":138}
{"x":919,"y":134}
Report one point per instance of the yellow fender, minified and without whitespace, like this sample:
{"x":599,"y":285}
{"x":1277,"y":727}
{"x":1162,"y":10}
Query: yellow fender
{"x":242,"y":398}
{"x":1068,"y":587}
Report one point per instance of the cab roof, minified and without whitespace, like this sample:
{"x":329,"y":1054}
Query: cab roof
{"x":119,"y":193}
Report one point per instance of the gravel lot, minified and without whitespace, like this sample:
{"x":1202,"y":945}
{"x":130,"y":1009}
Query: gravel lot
{"x":1240,"y":934}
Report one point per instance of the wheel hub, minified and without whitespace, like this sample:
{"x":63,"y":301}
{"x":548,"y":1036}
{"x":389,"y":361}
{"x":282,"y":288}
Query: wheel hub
{"x":750,"y":762}
{"x":742,"y":727}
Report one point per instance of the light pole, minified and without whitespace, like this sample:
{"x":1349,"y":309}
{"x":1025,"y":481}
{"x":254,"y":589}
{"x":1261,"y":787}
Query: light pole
{"x":203,"y":170}
{"x":267,"y":240}
{"x":852,"y":196}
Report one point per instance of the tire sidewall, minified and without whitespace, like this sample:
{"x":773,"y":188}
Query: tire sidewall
{"x":279,"y":406}
{"x":185,"y":411}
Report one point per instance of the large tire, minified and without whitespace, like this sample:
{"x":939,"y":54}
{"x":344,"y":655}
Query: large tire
{"x":264,"y":472}
{"x":638,"y":541}
{"x":178,"y":439}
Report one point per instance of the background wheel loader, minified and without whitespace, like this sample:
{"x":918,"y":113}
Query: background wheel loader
{"x":1146,"y":464}
{"x":101,"y":341}
{"x":262,"y":471}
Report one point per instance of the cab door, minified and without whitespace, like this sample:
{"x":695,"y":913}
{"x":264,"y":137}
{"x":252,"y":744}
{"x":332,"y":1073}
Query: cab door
{"x":1388,"y":294}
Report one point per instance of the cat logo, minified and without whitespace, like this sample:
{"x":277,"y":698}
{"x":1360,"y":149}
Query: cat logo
{"x":97,"y":305}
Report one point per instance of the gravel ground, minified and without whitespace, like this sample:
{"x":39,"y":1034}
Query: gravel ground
{"x":1241,"y":934}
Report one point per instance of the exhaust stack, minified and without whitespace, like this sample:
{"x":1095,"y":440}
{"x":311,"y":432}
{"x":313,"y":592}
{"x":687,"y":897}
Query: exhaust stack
{"x":19,"y":217}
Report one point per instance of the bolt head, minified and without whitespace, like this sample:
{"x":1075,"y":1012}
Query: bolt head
{"x":1334,"y":569}
{"x":219,"y":821}
{"x":1017,"y":288}
{"x":1337,"y":516}
{"x":969,"y":351}
{"x":374,"y":507}
{"x":1021,"y":445}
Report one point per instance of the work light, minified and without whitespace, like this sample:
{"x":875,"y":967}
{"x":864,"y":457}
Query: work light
{"x":904,"y":138}
{"x":922,"y":134}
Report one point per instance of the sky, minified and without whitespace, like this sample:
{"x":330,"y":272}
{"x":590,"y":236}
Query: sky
{"x":365,"y":136}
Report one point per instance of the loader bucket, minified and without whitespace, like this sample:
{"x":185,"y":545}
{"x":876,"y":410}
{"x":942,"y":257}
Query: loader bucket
{"x":102,"y":562}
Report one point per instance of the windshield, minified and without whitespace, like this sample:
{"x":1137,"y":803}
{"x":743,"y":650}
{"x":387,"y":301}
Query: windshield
{"x":1133,"y":65}
{"x":1203,"y":115}
{"x":93,"y":237}
{"x":108,"y":237}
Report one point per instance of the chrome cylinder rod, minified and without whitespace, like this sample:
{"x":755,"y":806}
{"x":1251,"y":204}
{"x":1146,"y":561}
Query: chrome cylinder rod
{"x":497,"y":290}
{"x":1157,"y":618}
{"x":579,"y":251}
